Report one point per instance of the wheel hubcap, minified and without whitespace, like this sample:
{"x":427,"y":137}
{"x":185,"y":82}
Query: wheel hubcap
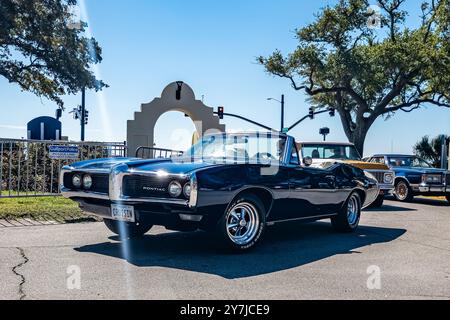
{"x":242,"y":223}
{"x":352,"y":211}
{"x":402,"y":191}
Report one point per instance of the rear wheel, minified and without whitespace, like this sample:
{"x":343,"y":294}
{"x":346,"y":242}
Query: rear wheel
{"x":127,"y":229}
{"x":378,"y":202}
{"x":402,"y":191}
{"x":243,"y":223}
{"x":347,"y":219}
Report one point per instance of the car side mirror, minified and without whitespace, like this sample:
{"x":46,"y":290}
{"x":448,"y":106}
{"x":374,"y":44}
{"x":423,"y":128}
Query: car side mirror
{"x":307,"y":161}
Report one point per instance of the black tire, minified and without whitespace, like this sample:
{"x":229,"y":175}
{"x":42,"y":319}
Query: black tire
{"x":127,"y":229}
{"x":345,"y":221}
{"x":378,"y":202}
{"x":254,"y":215}
{"x":403,"y":191}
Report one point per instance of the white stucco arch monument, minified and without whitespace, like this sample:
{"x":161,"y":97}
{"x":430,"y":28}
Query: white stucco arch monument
{"x":177,"y":96}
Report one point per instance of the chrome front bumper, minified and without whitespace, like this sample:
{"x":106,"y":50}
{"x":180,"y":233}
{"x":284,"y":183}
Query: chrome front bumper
{"x":425,"y":188}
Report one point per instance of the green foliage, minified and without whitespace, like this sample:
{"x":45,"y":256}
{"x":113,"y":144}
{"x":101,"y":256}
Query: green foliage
{"x":366,"y":73}
{"x":430,"y":150}
{"x":53,"y":208}
{"x":41,"y":52}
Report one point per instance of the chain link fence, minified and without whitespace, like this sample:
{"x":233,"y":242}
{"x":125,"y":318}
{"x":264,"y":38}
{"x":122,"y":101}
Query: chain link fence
{"x":30,"y":168}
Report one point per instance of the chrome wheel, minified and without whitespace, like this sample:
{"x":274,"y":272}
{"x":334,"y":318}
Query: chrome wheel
{"x":401,"y":191}
{"x":352,"y":210}
{"x":242,"y":223}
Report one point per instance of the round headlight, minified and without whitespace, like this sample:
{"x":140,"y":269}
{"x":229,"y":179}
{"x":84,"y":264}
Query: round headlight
{"x":76,"y":181}
{"x":187,"y":190}
{"x":175,"y":188}
{"x":87,"y":181}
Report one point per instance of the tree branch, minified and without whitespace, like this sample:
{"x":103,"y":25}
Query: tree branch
{"x":414,"y":104}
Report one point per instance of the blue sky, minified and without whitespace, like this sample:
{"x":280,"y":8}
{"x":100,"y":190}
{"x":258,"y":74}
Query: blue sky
{"x":212,"y":46}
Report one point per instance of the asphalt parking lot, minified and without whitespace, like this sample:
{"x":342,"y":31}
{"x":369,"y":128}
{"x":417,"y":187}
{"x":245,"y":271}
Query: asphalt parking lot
{"x":408,"y":243}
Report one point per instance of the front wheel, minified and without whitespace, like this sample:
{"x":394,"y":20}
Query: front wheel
{"x":127,"y":229}
{"x":403,"y":192}
{"x":243,"y":223}
{"x":347,"y":219}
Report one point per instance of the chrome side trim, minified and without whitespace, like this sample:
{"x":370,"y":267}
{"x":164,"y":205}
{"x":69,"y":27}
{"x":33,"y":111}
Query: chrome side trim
{"x":269,"y":223}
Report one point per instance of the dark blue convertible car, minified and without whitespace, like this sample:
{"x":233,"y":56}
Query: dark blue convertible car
{"x":232,"y":184}
{"x":414,"y":176}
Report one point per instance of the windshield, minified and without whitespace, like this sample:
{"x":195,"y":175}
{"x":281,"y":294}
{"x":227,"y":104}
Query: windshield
{"x":330,"y":151}
{"x":252,"y":148}
{"x":408,"y":162}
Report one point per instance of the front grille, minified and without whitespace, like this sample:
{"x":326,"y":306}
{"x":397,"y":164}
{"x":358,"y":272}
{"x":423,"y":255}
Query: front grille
{"x":100,"y":181}
{"x":447,"y":180}
{"x":147,"y":186}
{"x":378,"y":175}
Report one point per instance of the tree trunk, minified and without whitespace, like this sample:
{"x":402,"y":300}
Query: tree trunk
{"x":355,"y":132}
{"x":358,"y":141}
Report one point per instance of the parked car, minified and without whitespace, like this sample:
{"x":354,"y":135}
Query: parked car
{"x":414,"y":176}
{"x":232,"y":184}
{"x":324,"y":153}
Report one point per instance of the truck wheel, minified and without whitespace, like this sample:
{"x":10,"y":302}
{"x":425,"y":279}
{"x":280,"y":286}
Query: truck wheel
{"x":378,"y":202}
{"x":243,"y":224}
{"x":402,"y":191}
{"x":127,"y":229}
{"x":347,"y":219}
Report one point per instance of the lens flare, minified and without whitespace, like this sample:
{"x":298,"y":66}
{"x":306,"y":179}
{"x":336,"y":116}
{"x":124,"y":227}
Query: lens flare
{"x":108,"y":136}
{"x":100,"y":95}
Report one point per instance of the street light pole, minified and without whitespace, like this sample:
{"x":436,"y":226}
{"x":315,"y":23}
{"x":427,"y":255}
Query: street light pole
{"x":83,"y":112}
{"x":282,"y":112}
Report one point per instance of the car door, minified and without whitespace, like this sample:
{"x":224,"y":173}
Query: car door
{"x":311,"y":190}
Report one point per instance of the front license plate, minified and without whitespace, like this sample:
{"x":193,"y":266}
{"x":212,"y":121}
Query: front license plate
{"x":122,"y":213}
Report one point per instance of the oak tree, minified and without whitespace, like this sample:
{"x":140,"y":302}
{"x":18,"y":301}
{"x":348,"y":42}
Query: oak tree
{"x":367,"y":63}
{"x":42,"y":52}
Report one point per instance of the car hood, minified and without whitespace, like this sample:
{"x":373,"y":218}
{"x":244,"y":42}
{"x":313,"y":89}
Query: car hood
{"x":102,"y":163}
{"x":420,"y":170}
{"x":356,"y":163}
{"x":170,"y":166}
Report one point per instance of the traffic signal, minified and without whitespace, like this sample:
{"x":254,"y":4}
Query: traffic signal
{"x":86,"y":116}
{"x":76,"y":113}
{"x":311,"y":113}
{"x":331,"y":111}
{"x":58,"y":113}
{"x":220,"y":112}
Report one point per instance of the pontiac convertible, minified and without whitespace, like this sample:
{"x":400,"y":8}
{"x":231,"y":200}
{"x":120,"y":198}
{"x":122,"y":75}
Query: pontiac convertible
{"x":231,"y":184}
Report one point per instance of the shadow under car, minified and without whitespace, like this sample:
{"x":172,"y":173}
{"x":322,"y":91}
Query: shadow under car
{"x":284,"y":246}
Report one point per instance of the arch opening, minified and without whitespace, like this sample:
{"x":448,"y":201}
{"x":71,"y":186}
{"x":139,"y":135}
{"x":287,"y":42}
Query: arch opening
{"x":174,"y":130}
